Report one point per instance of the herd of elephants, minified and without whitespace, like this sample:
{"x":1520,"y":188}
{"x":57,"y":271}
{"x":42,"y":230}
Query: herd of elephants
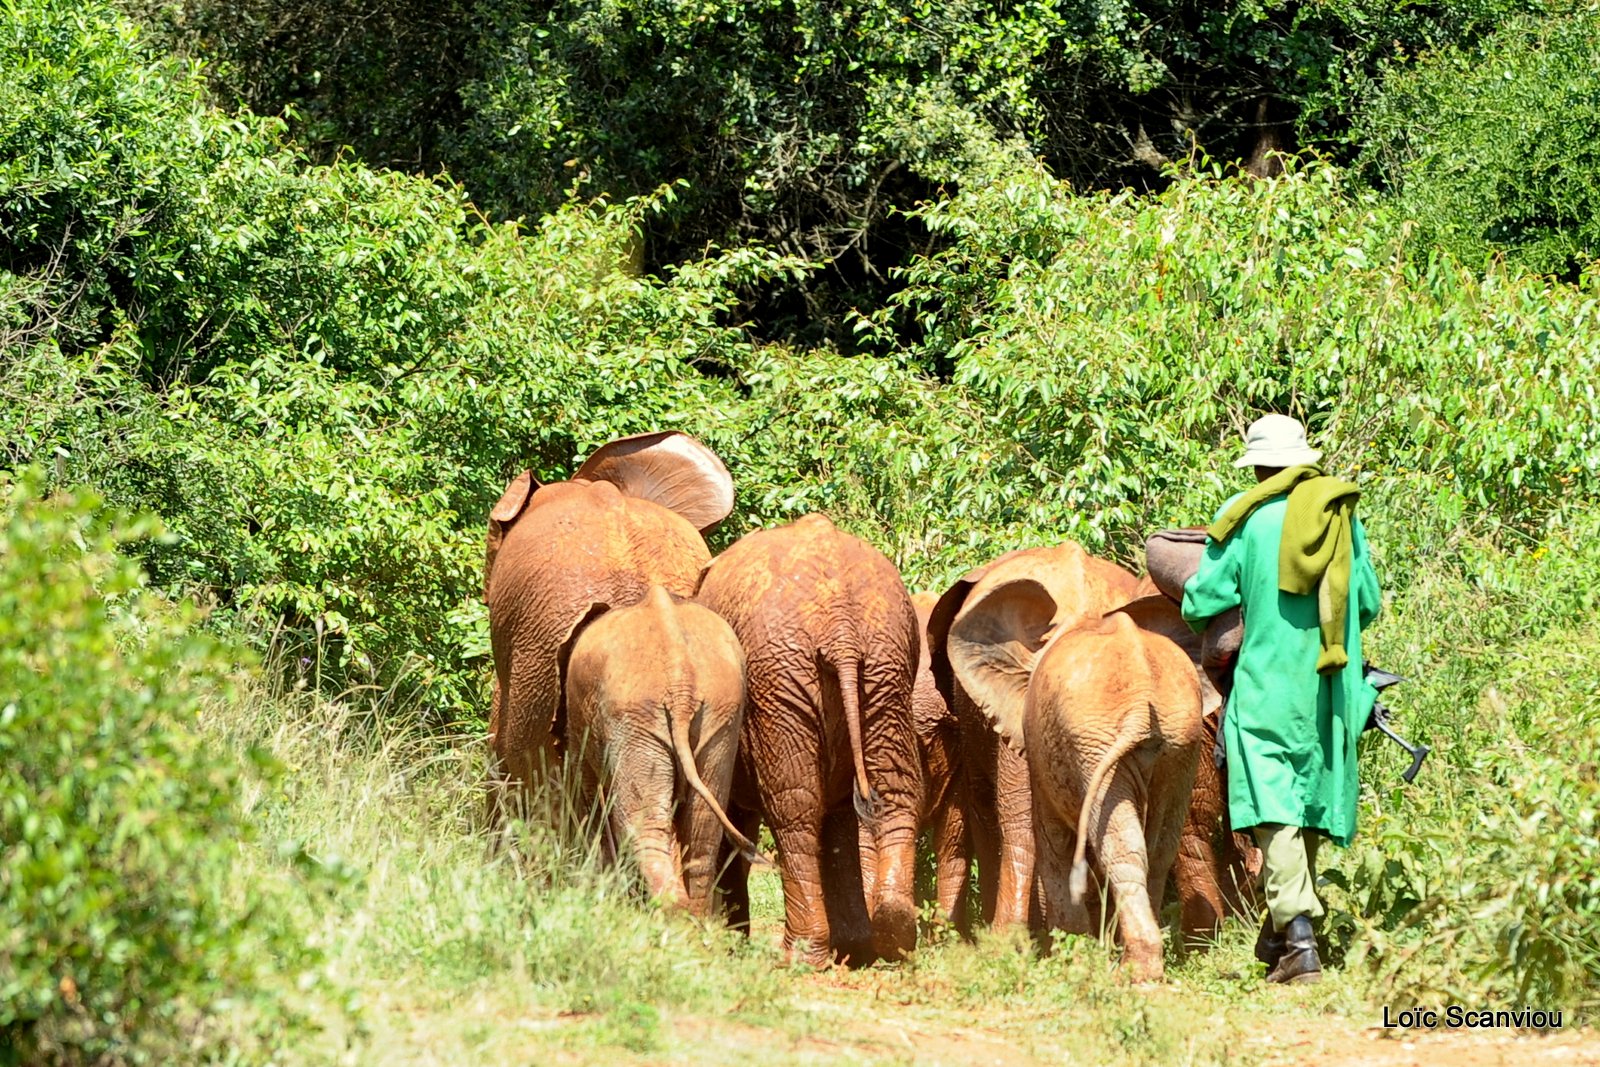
{"x":1049,"y":716}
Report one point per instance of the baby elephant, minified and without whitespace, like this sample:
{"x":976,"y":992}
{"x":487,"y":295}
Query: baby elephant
{"x":1113,"y":735}
{"x":655,"y":700}
{"x":1111,"y":730}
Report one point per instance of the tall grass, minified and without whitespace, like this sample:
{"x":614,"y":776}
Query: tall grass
{"x":538,"y":930}
{"x":1481,"y":881}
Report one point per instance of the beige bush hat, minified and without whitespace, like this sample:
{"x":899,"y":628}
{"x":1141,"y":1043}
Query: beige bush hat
{"x":1276,"y":441}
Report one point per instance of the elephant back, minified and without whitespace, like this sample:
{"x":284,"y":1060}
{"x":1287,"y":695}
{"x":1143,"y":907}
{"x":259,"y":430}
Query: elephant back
{"x":591,"y":534}
{"x":808,"y":585}
{"x":1092,"y":675}
{"x":1157,"y":614}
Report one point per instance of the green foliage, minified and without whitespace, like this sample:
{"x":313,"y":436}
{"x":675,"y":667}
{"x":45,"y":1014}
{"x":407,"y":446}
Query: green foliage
{"x":1493,"y":148}
{"x":120,"y":821}
{"x":1482,"y":877}
{"x":1114,"y":343}
{"x":804,"y":125}
{"x":320,"y":376}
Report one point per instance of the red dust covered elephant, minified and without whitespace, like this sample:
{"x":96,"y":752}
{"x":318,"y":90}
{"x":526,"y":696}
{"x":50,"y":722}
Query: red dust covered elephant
{"x":829,"y":746}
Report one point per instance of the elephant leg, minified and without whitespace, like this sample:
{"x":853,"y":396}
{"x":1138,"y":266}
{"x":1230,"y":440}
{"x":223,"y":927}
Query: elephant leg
{"x":1164,"y":822}
{"x":733,"y":870}
{"x":1199,"y":896}
{"x":1057,"y":838}
{"x":1125,"y":861}
{"x":849,"y":862}
{"x":1014,"y":801}
{"x":1198,"y":873}
{"x":894,"y":766}
{"x":805,"y":912}
{"x":494,"y":772}
{"x":744,"y":811}
{"x":699,"y":829}
{"x":526,"y":750}
{"x":643,"y":778}
{"x":952,"y":863}
{"x":975,"y":793}
{"x":892,"y":897}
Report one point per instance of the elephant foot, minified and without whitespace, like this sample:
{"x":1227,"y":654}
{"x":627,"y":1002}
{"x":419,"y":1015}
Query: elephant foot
{"x":894,"y":929}
{"x":1200,"y":926}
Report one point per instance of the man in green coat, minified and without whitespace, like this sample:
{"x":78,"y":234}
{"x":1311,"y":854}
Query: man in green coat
{"x":1292,"y":555}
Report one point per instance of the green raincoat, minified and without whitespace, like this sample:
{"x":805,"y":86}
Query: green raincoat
{"x":1290,"y":733}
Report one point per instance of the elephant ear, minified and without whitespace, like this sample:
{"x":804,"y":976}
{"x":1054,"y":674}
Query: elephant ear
{"x":993,"y":646}
{"x":668,"y":468}
{"x":512,"y":503}
{"x":1157,"y":614}
{"x":944,"y":613}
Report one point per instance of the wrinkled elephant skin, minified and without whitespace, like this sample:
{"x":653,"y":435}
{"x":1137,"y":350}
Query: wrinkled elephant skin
{"x":655,"y":701}
{"x":830,"y":638}
{"x":1109,"y":726}
{"x":993,"y":781}
{"x":1113,"y":735}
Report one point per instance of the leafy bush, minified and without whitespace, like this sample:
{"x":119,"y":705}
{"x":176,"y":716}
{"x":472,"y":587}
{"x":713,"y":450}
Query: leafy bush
{"x":119,"y":821}
{"x":320,"y":377}
{"x":1112,"y":344}
{"x":802,"y":125}
{"x":1480,"y":879}
{"x":1493,"y":148}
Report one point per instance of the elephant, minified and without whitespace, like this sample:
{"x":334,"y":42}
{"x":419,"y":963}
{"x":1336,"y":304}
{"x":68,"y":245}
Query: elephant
{"x":993,"y":784}
{"x":829,"y":743}
{"x":1107,"y":716}
{"x":655,"y":702}
{"x":939,"y":739}
{"x":632,"y":516}
{"x":1216,"y":868}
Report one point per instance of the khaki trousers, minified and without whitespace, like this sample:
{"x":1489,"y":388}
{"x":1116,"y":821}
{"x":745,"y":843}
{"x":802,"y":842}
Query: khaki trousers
{"x":1289,"y":871}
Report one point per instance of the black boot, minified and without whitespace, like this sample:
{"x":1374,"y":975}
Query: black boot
{"x":1269,"y":943}
{"x":1299,"y":960}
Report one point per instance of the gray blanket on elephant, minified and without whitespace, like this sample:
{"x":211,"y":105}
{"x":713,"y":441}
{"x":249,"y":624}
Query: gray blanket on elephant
{"x":1172,"y":557}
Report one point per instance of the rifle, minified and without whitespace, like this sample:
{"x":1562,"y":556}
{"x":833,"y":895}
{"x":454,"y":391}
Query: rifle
{"x":1381,"y":718}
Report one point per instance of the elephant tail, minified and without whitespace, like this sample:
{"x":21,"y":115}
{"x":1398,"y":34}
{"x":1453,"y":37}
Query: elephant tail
{"x":1132,"y":732}
{"x":867,"y":803}
{"x":678,"y":727}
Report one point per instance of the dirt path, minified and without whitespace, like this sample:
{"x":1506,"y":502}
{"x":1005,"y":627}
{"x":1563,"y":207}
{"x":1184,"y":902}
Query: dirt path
{"x":998,"y":1004}
{"x":1345,"y":1042}
{"x":926,"y":1038}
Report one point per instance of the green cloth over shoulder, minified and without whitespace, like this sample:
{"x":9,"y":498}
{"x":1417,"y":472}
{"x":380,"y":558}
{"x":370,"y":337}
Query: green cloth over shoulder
{"x":1314,"y":553}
